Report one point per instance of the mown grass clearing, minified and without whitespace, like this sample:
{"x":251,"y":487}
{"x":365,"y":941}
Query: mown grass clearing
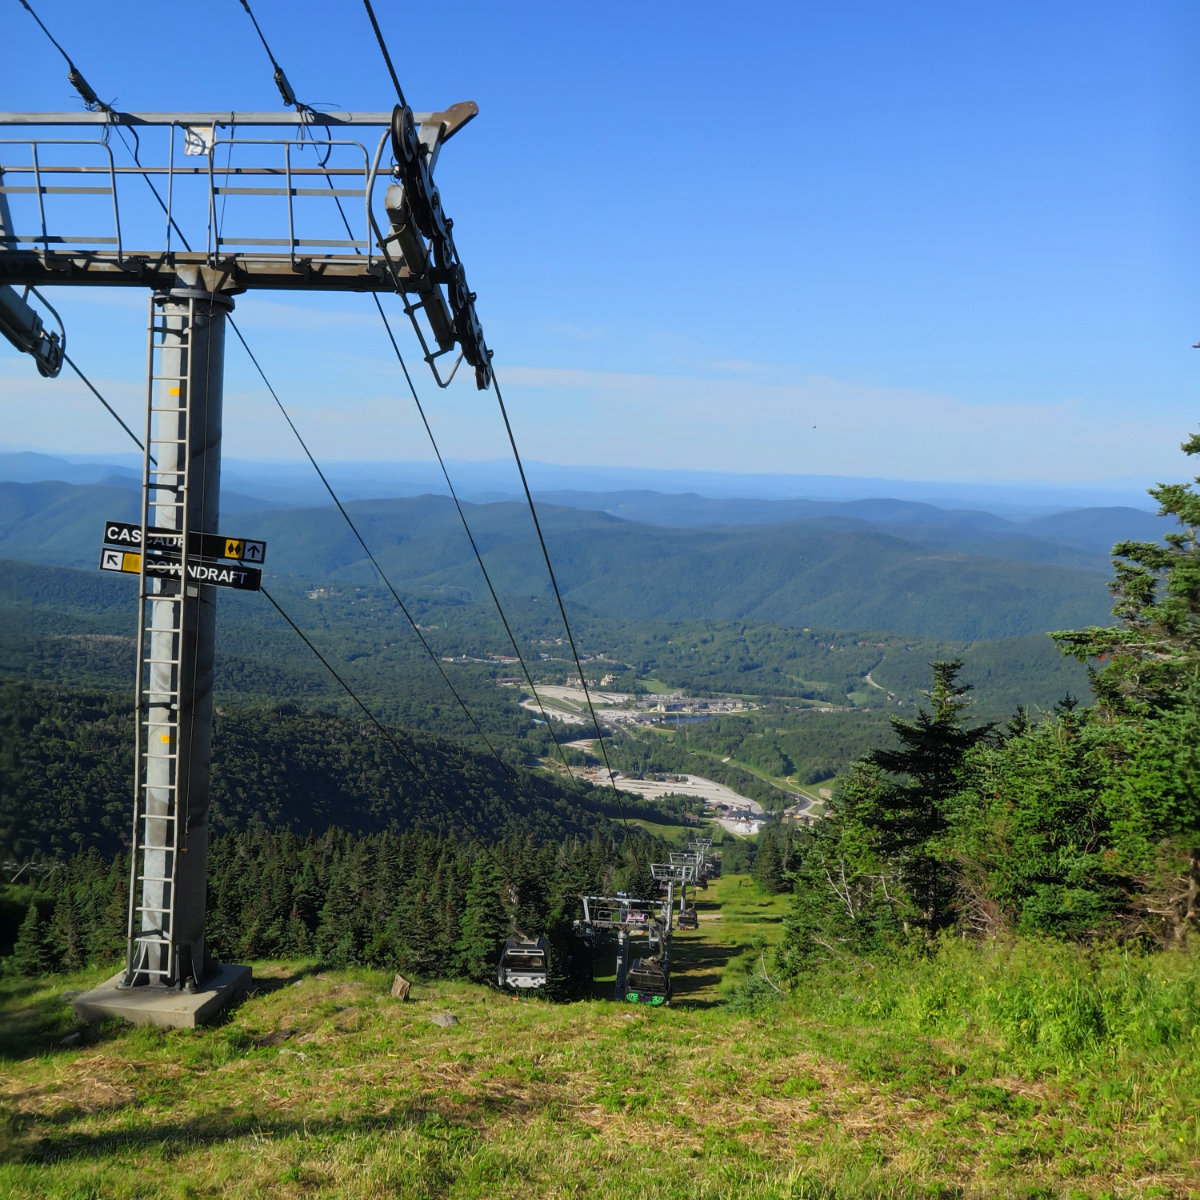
{"x":673,"y":834}
{"x":858,"y":1085}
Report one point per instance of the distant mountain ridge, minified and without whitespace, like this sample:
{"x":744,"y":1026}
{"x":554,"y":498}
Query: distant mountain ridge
{"x":294,"y":483}
{"x":910,"y":569}
{"x":892,"y":564}
{"x":1095,"y":529}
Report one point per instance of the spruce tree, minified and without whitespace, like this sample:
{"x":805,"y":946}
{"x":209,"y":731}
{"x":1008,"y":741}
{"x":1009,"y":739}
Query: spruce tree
{"x":30,"y":956}
{"x":65,"y":941}
{"x":1147,"y":683}
{"x":485,"y":922}
{"x":848,"y":896}
{"x":914,"y":812}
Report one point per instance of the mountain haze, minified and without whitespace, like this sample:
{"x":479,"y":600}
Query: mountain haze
{"x":888,"y":566}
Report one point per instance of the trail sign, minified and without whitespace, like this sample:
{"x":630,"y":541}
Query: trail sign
{"x":166,"y":565}
{"x":206,"y":545}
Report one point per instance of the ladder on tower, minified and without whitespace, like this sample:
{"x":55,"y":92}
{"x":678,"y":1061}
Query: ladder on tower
{"x":160,"y":791}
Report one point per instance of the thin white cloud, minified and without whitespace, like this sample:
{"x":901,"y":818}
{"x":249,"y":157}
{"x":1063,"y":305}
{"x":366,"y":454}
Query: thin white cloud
{"x":828,"y":426}
{"x":750,"y":423}
{"x":742,"y":366}
{"x":256,"y":313}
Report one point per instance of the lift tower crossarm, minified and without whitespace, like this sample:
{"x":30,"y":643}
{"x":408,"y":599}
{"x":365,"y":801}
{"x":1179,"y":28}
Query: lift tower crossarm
{"x":342,"y":202}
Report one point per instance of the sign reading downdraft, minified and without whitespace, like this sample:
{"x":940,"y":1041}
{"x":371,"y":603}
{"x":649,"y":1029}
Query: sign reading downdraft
{"x":230,"y":575}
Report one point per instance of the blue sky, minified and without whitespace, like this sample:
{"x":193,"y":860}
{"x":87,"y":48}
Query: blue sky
{"x":936,"y":241}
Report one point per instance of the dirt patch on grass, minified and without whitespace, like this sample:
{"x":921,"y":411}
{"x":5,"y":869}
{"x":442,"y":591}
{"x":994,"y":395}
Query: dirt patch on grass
{"x":89,"y":1084}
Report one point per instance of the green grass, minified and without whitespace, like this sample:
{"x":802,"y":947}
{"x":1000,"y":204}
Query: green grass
{"x":812,"y":791}
{"x":656,"y":687}
{"x":1011,"y":1071}
{"x":674,"y":834}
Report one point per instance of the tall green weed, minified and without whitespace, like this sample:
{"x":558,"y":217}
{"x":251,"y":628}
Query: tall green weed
{"x":1043,"y":1005}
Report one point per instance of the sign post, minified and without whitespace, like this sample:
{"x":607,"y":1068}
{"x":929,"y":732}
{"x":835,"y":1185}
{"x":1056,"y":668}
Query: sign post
{"x":177,"y":627}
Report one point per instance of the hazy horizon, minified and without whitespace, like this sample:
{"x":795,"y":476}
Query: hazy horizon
{"x":369,"y":478}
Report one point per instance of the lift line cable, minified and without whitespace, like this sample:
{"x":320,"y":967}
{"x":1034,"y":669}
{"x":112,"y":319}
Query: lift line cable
{"x":412,"y":388}
{"x":416,"y":768}
{"x":92,"y":101}
{"x":337,"y":501}
{"x":281,"y":79}
{"x":29,"y":9}
{"x":374,"y":562}
{"x":475,"y":547}
{"x":461,"y":514}
{"x":524,"y":482}
{"x":512,"y":441}
{"x":77,"y":80}
{"x":432,"y":441}
{"x":112,"y":411}
{"x":387,"y":58}
{"x":442,"y":803}
{"x":261,"y":38}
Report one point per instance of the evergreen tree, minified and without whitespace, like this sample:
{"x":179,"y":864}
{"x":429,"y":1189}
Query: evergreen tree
{"x":336,"y":939}
{"x":485,"y":922}
{"x":769,"y":871}
{"x":913,"y":814}
{"x":1031,"y":834}
{"x":848,"y":898}
{"x":1148,"y":688}
{"x":65,"y":941}
{"x":108,"y":939}
{"x":1148,"y":655}
{"x":31,"y":955}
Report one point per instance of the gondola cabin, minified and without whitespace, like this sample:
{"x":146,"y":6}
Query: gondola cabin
{"x":523,"y":963}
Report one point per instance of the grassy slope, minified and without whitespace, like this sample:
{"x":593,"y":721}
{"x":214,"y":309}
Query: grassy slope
{"x":321,"y":1085}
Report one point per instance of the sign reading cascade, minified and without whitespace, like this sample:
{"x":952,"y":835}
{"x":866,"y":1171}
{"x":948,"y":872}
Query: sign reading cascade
{"x":122,"y":553}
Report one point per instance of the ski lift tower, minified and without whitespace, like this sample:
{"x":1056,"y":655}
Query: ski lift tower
{"x":204,"y":207}
{"x":672,"y":873}
{"x":628,"y":917}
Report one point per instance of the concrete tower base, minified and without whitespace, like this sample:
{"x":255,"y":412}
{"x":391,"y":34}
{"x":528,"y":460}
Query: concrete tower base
{"x":157,"y":1005}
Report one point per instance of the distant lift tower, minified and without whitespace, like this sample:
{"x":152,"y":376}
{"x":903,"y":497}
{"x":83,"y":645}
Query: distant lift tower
{"x":669,"y":874}
{"x":629,"y":918}
{"x":211,"y":204}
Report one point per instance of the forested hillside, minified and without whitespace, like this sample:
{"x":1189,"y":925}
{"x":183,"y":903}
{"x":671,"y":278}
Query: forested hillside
{"x":1084,"y":824}
{"x":67,"y":761}
{"x":434,"y":905}
{"x":59,"y":624}
{"x":953,"y":577}
{"x":295,"y":756}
